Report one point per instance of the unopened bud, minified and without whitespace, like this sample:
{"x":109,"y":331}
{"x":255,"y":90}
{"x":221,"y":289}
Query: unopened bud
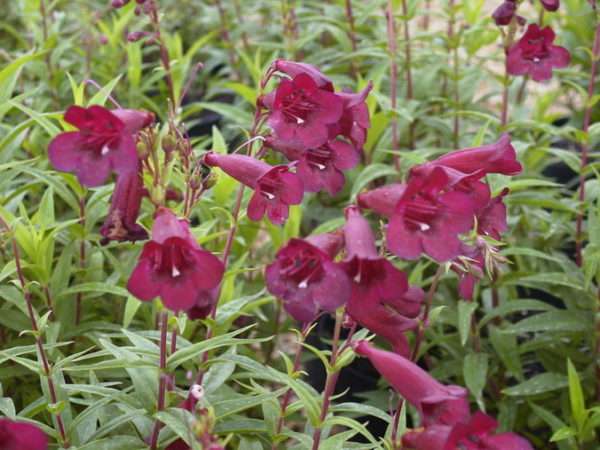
{"x":119,"y":3}
{"x":168,"y":143}
{"x":142,"y":149}
{"x":347,"y":321}
{"x":103,"y":39}
{"x":135,"y":36}
{"x":210,"y":181}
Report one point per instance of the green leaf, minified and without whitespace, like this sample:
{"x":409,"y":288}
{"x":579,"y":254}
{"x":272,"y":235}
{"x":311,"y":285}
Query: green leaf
{"x":544,"y":382}
{"x":563,"y":433}
{"x":563,"y":321}
{"x":9,"y":74}
{"x":576,"y":399}
{"x":475,"y":367}
{"x":227,"y":408}
{"x":100,"y":97}
{"x":349,"y":423}
{"x":465,"y":312}
{"x":96,"y":287}
{"x":131,"y":307}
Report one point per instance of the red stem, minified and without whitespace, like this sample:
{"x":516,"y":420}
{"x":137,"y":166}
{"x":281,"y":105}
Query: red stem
{"x":409,"y":82}
{"x":586,"y":147}
{"x":164,"y":322}
{"x":38,"y":340}
{"x":392,"y":39}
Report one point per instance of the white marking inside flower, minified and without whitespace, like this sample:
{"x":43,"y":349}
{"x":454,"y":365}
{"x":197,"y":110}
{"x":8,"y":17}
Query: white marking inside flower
{"x":299,"y":121}
{"x":424,"y":226}
{"x":320,"y":166}
{"x":303,"y":284}
{"x":269,"y":195}
{"x":175,"y":272}
{"x":536,"y":60}
{"x":104,"y":150}
{"x":357,"y":278}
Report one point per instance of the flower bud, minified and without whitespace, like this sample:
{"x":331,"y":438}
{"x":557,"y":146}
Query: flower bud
{"x":142,"y":149}
{"x":210,"y":181}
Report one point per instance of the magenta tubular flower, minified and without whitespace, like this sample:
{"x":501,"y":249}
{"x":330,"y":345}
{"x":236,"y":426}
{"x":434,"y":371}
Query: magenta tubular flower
{"x":534,"y":54}
{"x":355,"y":118}
{"x":491,"y":219}
{"x":469,"y":268}
{"x":125,"y":206}
{"x":302,"y":111}
{"x":438,"y":404}
{"x":306,"y":278}
{"x":476,"y":435}
{"x":387,"y":324}
{"x":275,"y":188}
{"x":428,"y":219}
{"x":293,"y":69}
{"x":382,"y":200}
{"x":375,"y":280}
{"x":476,"y":162}
{"x":550,"y":5}
{"x":104,"y":142}
{"x":504,"y":13}
{"x":322,"y":167}
{"x":21,"y":436}
{"x":173,"y":266}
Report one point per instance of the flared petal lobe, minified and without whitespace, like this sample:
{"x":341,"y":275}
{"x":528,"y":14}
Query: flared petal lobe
{"x":21,"y":436}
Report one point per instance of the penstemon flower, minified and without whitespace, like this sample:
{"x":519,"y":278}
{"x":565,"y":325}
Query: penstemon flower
{"x":534,"y":54}
{"x":275,"y":188}
{"x":306,"y":278}
{"x":472,"y":435}
{"x":550,"y":5}
{"x":505,"y":12}
{"x":105,"y":141}
{"x":174,"y":267}
{"x":355,"y":118}
{"x":437,"y":403}
{"x":301,"y":110}
{"x":429,"y":217}
{"x":21,"y":436}
{"x":375,"y":280}
{"x":124,"y":209}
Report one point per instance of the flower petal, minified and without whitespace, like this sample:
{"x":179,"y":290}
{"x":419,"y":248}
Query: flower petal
{"x":64,"y":152}
{"x":140,"y":282}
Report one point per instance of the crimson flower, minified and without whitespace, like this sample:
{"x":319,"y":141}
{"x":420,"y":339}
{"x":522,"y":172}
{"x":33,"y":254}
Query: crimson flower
{"x":294,"y":69}
{"x":437,"y":403}
{"x":469,"y":267}
{"x":306,"y":278}
{"x":491,"y":219}
{"x":375,"y":280}
{"x":504,"y":13}
{"x":301,"y":110}
{"x":275,"y":188}
{"x":124,"y":209}
{"x":21,"y":436}
{"x":474,"y":435}
{"x":475,"y":162}
{"x":534,"y":54}
{"x":104,"y":141}
{"x":389,"y":323}
{"x":355,"y":118}
{"x":382,"y":200}
{"x":174,"y":267}
{"x":322,"y":167}
{"x":550,"y":5}
{"x":428,"y":219}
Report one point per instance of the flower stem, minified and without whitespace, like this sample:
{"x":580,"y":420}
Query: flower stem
{"x":392,"y":40}
{"x":409,"y":82}
{"x":79,"y":297}
{"x":332,"y":378}
{"x":164,"y":323}
{"x":455,"y":70}
{"x":352,"y":35}
{"x":288,"y":394}
{"x":586,"y":146}
{"x":428,"y":300}
{"x":38,"y":339}
{"x":164,"y":56}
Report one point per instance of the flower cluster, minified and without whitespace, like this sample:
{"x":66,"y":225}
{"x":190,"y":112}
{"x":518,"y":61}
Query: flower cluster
{"x":320,"y":131}
{"x":446,"y":421}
